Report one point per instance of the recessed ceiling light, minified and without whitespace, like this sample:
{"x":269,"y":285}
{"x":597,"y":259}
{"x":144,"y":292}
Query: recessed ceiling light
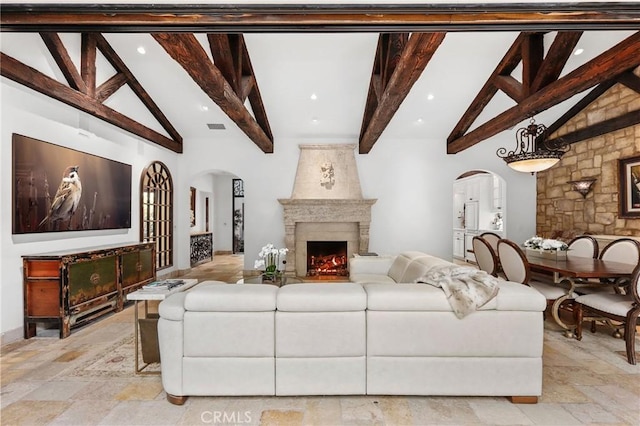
{"x":314,"y":96}
{"x":141,"y":50}
{"x":578,"y":51}
{"x":204,"y":108}
{"x":314,"y":120}
{"x":419,"y":120}
{"x":430,"y":96}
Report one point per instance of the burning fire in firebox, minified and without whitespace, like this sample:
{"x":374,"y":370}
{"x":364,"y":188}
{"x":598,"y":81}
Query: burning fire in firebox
{"x":331,"y":264}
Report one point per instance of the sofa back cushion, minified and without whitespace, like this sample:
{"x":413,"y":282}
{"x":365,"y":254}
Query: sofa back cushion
{"x":399,"y":266}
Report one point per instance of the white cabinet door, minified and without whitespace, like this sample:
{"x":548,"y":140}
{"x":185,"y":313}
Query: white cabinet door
{"x":458,"y":244}
{"x":496,"y":200}
{"x":468,"y":248}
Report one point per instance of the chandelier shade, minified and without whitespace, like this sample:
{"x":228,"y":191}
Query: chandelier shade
{"x":531,"y":154}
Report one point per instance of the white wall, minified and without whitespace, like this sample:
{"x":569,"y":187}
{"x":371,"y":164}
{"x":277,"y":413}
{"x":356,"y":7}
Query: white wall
{"x":36,"y":116}
{"x":412,"y":180}
{"x":204,"y":188}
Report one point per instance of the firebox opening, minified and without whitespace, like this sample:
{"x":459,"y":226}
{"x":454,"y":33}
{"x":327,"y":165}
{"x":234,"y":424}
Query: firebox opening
{"x":327,"y":258}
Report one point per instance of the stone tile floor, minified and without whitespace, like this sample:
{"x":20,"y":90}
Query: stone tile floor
{"x":88,"y":379}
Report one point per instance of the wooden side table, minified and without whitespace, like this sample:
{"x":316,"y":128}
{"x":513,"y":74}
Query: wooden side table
{"x":146,"y":295}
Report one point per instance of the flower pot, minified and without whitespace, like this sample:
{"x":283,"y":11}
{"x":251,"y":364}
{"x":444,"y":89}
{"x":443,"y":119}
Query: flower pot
{"x":548,"y":254}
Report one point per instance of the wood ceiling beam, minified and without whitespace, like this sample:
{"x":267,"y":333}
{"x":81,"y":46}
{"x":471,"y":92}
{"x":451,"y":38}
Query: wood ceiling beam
{"x":88,"y":54}
{"x":388,"y":51}
{"x":188,"y":52}
{"x":231,"y":57}
{"x":594,"y":94}
{"x":532,"y":56}
{"x":630,"y":80}
{"x":505,"y":67}
{"x":631,"y":118}
{"x":414,"y":58}
{"x":619,"y":59}
{"x":510,"y":86}
{"x":34,"y":79}
{"x":559,"y":53}
{"x":234,"y":18}
{"x":61,"y":57}
{"x":118,"y":64}
{"x":109,"y":87}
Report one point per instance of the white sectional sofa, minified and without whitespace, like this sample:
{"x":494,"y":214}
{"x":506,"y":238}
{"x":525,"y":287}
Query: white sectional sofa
{"x":375,"y":336}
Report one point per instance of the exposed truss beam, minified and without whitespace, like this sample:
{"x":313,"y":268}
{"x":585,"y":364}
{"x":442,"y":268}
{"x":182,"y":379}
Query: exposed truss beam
{"x":117,"y":63}
{"x":231,"y":57}
{"x":234,"y":18}
{"x":557,"y":57}
{"x":630,"y":80}
{"x":84,"y":81}
{"x":188,"y":52}
{"x":617,"y":60}
{"x":415,"y":56}
{"x":505,"y":67}
{"x":34,"y":79}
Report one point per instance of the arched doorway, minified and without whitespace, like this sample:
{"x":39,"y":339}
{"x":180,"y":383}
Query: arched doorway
{"x":479,"y":205}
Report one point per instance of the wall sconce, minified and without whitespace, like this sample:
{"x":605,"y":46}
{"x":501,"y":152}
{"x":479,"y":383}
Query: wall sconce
{"x":532,"y":154}
{"x":583,"y":186}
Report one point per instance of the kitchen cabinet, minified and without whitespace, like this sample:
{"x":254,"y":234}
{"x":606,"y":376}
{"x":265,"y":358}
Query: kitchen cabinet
{"x":458,"y":244}
{"x":496,"y":192}
{"x":469,"y":256}
{"x":71,"y":288}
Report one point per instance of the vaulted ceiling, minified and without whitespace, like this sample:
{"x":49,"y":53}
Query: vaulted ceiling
{"x":459,"y":75}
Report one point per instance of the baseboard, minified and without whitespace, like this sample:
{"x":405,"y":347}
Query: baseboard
{"x":222,"y":252}
{"x":12,"y":336}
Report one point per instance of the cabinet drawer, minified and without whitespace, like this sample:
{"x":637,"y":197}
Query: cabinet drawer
{"x":43,"y":298}
{"x":42,"y":268}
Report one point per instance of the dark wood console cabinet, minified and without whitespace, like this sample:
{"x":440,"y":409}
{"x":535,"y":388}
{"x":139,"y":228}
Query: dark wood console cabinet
{"x":71,"y":288}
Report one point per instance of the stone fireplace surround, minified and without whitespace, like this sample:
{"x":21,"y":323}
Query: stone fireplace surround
{"x":324,"y":220}
{"x":325,"y":206}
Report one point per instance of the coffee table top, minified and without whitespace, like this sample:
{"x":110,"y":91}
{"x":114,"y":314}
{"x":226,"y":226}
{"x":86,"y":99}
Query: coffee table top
{"x":258,"y":280}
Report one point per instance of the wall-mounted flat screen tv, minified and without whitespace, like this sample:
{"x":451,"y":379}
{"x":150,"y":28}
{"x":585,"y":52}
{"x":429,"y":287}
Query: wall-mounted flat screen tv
{"x":59,"y":189}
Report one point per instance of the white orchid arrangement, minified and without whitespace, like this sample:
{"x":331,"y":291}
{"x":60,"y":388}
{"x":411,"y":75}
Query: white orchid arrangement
{"x":539,"y":243}
{"x":269,"y":259}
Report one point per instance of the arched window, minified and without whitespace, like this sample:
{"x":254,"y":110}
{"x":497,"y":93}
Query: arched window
{"x":156,"y":212}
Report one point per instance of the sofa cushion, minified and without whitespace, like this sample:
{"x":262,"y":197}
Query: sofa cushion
{"x":214,"y":297}
{"x":370,"y":264}
{"x":419,"y":266}
{"x":424,"y":297}
{"x":407,"y":297}
{"x":314,"y":297}
{"x":400,"y":264}
{"x":370,"y":278}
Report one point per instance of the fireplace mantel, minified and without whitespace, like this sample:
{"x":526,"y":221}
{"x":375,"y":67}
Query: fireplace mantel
{"x":327,"y":211}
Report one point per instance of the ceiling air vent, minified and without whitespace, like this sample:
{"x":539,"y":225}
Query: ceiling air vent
{"x":216,"y":126}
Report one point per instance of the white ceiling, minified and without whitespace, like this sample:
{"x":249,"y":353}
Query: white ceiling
{"x":289,"y":68}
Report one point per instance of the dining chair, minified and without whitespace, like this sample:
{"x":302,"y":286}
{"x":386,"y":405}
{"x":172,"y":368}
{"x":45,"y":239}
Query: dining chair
{"x":623,"y":308}
{"x":485,"y":256}
{"x":516,"y":268}
{"x":583,"y":246}
{"x":624,"y":250}
{"x":492,"y":238}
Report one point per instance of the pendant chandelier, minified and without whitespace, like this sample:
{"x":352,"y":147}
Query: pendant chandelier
{"x":531,"y":154}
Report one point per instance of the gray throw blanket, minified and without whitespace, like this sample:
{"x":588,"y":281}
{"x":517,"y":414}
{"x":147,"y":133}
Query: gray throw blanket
{"x":467,"y":289}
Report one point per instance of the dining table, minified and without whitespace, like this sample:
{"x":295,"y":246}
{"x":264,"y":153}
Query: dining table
{"x":575,"y":273}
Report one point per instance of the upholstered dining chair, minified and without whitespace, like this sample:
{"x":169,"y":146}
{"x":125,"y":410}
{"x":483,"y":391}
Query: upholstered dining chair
{"x":624,"y":250}
{"x":583,"y":246}
{"x":624,"y":308}
{"x":485,"y":256}
{"x":492,"y":238}
{"x":516,"y":268}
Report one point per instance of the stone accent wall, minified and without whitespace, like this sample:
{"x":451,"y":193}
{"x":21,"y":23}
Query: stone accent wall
{"x":559,"y":208}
